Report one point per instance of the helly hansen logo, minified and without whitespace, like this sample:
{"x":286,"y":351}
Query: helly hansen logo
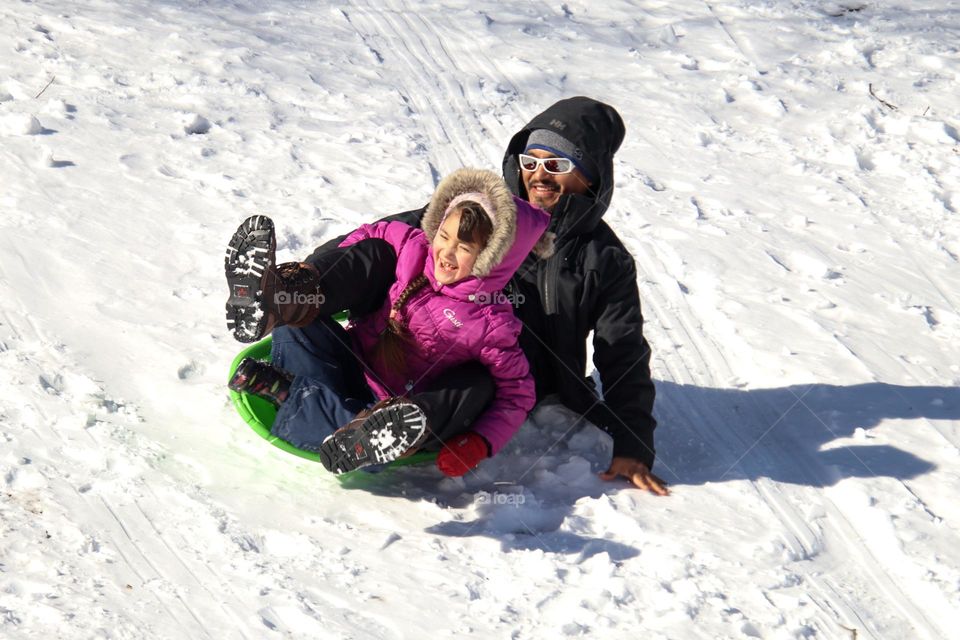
{"x":558,"y":124}
{"x":452,"y":317}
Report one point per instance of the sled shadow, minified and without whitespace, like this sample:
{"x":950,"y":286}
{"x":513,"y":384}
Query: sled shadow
{"x":527,"y":538}
{"x":515,"y":498}
{"x":716,"y":435}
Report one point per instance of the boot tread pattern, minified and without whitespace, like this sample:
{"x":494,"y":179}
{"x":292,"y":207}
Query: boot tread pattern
{"x":382,"y":437}
{"x":249,"y":254}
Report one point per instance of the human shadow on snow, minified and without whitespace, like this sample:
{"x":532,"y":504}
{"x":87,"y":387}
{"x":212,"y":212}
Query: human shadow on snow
{"x":814,"y":435}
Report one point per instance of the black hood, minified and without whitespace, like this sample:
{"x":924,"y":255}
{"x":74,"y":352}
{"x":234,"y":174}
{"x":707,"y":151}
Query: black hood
{"x":597,"y":130}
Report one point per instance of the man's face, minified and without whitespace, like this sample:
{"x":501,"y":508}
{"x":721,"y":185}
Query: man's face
{"x":544,"y":189}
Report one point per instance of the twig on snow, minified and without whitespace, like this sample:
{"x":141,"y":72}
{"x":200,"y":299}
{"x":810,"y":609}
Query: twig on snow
{"x":45,"y":87}
{"x":853,"y":632}
{"x":892,"y":107}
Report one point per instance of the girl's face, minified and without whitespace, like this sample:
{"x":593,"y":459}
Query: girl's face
{"x":453,"y":259}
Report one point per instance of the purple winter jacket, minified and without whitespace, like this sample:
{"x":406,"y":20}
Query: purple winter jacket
{"x":454,"y":324}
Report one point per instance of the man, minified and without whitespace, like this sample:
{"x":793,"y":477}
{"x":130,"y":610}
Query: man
{"x":562,"y":161}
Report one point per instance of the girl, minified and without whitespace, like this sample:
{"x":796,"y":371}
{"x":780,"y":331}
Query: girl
{"x":437,"y":305}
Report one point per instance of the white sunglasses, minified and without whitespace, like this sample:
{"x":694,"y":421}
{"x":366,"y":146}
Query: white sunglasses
{"x":551,"y":165}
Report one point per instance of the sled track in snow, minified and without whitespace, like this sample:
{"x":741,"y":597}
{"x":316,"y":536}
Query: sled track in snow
{"x":688,"y":365}
{"x":447,"y":126}
{"x":411,"y":50}
{"x":480,"y":64}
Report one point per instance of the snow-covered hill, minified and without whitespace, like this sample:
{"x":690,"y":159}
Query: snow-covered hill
{"x":789,"y":185}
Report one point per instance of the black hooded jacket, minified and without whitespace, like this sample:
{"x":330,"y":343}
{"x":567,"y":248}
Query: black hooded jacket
{"x":588,"y":284}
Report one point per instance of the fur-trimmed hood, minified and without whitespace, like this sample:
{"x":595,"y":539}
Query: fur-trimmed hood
{"x":596,"y":130}
{"x":518,"y":226}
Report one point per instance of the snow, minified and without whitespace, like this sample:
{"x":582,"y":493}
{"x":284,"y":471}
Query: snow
{"x":789,"y":186}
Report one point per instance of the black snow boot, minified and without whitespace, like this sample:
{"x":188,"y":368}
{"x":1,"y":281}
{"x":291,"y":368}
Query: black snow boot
{"x":264,"y":295}
{"x":380,"y":434}
{"x":262,"y":379}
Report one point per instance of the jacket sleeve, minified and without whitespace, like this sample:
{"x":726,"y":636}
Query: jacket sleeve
{"x":515,"y":394}
{"x":411,"y":218}
{"x":357,"y":275}
{"x":622,"y":357}
{"x":395,"y":233}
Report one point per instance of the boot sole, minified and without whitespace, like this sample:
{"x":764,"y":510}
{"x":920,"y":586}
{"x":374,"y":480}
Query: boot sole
{"x":382,"y":437}
{"x":250,"y":253}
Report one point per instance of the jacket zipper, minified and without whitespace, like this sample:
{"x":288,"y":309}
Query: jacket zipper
{"x":547,"y":283}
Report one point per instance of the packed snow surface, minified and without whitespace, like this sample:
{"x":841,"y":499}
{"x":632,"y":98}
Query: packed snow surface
{"x":789,"y":185}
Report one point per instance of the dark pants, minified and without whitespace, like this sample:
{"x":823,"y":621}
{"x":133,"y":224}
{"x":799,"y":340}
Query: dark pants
{"x":328,"y":389}
{"x":454,"y":400}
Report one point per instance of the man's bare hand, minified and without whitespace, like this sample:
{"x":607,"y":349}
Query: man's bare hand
{"x":637,"y":473}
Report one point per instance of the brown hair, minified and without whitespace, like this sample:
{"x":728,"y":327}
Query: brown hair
{"x":390,"y":350}
{"x":475,"y":224}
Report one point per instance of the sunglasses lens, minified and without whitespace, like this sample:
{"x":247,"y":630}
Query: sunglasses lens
{"x":552,"y":165}
{"x":528,"y":163}
{"x":556,"y":165}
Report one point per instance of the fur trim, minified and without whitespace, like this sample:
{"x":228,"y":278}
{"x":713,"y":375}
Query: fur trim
{"x":546,"y":246}
{"x":504,"y":219}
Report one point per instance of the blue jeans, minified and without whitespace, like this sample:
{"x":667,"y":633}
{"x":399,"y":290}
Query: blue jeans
{"x":328,"y":389}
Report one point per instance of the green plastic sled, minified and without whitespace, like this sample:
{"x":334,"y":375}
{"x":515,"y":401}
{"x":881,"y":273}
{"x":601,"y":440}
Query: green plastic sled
{"x":260,"y":414}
